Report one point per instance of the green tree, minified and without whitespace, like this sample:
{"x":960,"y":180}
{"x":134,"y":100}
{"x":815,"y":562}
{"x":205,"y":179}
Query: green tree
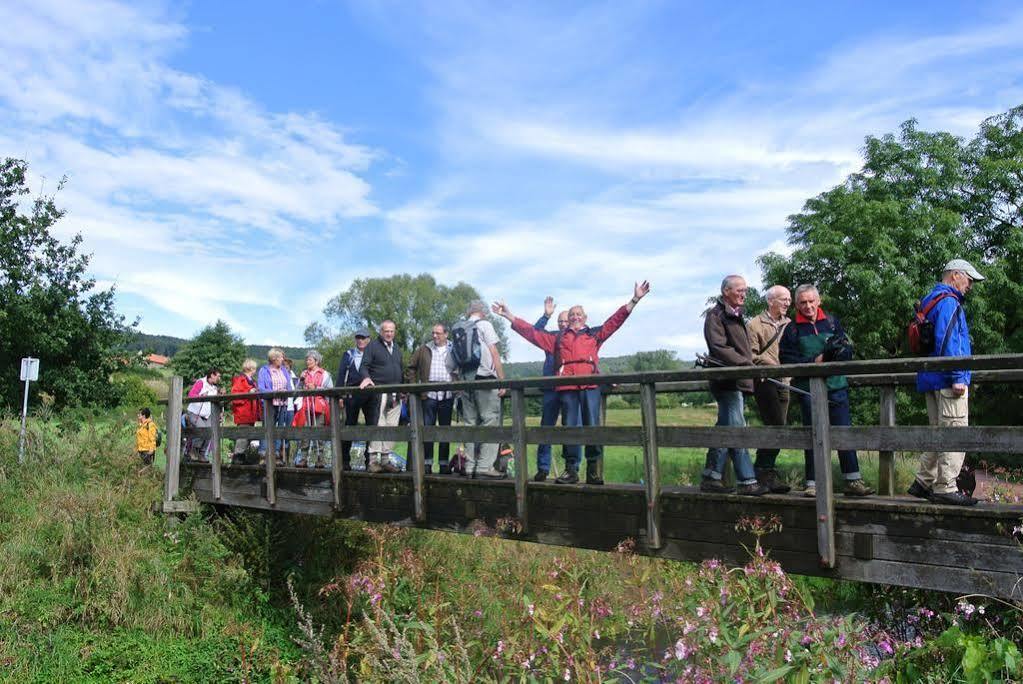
{"x":876,"y":243}
{"x":659,"y":359}
{"x":49,"y":307}
{"x":414,"y":303}
{"x":214,"y":348}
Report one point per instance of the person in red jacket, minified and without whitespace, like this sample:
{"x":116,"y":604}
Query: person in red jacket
{"x":576,"y":352}
{"x":245,"y":411}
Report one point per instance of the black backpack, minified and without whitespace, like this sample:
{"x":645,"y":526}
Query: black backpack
{"x":465,"y":346}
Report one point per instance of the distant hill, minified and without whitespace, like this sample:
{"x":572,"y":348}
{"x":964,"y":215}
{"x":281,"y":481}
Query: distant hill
{"x":169,"y":346}
{"x":610,"y":364}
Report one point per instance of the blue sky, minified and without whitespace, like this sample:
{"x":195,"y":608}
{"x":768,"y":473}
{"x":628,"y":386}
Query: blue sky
{"x":247,"y":161}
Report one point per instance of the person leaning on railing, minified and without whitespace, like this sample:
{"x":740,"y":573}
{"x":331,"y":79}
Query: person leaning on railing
{"x":947,"y":392}
{"x":312,"y":410}
{"x":197,"y":415}
{"x":349,"y":374}
{"x":431,"y":363}
{"x":245,"y":411}
{"x":576,"y":352}
{"x":275,"y":377}
{"x":816,"y":337}
{"x":382,"y":365}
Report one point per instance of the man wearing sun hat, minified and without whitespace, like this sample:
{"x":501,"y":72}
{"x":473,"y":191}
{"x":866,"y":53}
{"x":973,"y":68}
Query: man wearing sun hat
{"x":947,"y":392}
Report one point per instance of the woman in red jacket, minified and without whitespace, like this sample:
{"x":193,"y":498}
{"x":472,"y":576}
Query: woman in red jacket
{"x":576,"y":352}
{"x":246,"y":411}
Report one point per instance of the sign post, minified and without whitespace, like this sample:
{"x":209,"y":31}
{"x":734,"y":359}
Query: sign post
{"x":29,"y":372}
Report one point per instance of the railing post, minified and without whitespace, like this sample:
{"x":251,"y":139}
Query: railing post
{"x":172,"y":471}
{"x":271,"y":458}
{"x":415,"y":421}
{"x":651,"y":464}
{"x":603,"y":405}
{"x":518,"y":412}
{"x":216,"y":412}
{"x":335,"y":447}
{"x":886,"y":459}
{"x":821,"y":428}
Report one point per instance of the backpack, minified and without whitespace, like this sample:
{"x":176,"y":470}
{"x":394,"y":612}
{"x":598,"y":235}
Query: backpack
{"x":920,"y":332}
{"x":465,"y":346}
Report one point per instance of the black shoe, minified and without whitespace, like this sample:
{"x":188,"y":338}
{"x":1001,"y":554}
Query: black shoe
{"x":953,"y":499}
{"x":568,"y":477}
{"x":709,"y":484}
{"x":490,"y":476}
{"x":769,"y":478}
{"x":918,"y":490}
{"x":594,"y":480}
{"x":541,"y":476}
{"x":445,"y":470}
{"x":755,"y":489}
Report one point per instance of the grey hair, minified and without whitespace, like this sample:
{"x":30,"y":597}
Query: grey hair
{"x":806,"y":287}
{"x":315,"y":356}
{"x":445,"y":326}
{"x":249,"y":364}
{"x":274,"y":352}
{"x":729,"y":281}
{"x":476,"y":306}
{"x":774,"y":292}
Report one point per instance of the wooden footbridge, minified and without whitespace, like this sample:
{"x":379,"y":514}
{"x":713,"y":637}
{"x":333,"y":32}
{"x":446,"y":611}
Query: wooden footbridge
{"x":888,"y":538}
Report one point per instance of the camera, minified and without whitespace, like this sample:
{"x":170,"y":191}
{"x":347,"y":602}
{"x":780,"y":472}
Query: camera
{"x":838,"y":348}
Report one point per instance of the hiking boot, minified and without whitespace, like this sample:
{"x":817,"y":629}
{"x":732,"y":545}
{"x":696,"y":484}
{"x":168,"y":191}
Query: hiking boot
{"x":568,"y":477}
{"x":918,"y":490}
{"x":541,"y":476}
{"x":594,"y":480}
{"x":709,"y":484}
{"x":953,"y":499}
{"x":857,"y":488}
{"x":490,"y":475}
{"x":770,"y":479}
{"x":755,"y":489}
{"x":810,"y":491}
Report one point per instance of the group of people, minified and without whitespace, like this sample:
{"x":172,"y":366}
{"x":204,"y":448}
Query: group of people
{"x":469,"y":350}
{"x":814,"y":336}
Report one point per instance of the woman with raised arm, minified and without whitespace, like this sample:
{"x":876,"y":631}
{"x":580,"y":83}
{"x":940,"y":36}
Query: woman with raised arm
{"x":576,"y":352}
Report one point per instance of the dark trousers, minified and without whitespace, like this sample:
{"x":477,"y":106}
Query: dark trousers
{"x":353,"y":405}
{"x":581,"y":408}
{"x":437,"y":412}
{"x":838,"y":414}
{"x":773,"y":405}
{"x":552,"y":410}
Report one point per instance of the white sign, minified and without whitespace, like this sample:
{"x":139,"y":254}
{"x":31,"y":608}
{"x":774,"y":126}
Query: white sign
{"x":30,"y":369}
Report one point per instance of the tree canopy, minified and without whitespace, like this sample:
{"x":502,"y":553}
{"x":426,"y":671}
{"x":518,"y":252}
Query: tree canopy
{"x":414,"y":303}
{"x":49,"y":307}
{"x":876,"y":243}
{"x":214,"y":348}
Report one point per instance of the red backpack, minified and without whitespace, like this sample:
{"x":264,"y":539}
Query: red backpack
{"x":920,"y":332}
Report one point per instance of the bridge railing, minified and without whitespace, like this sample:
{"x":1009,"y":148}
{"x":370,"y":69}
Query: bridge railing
{"x":886,"y":438}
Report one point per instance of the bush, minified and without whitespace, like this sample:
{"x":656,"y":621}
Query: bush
{"x":132,"y":392}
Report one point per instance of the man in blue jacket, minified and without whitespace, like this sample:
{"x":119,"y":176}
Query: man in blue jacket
{"x":947,"y":392}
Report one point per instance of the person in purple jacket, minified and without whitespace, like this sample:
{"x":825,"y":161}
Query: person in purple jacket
{"x":275,"y":377}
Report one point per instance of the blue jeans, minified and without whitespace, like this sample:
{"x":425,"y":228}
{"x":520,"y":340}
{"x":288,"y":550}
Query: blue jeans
{"x":581,"y":407}
{"x":281,"y":418}
{"x":838,"y":414}
{"x":730,"y":414}
{"x":437,"y":412}
{"x":552,"y":410}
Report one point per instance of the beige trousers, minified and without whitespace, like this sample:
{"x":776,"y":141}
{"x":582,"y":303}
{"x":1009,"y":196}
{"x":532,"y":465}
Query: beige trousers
{"x":389,"y":417}
{"x":939,"y":469}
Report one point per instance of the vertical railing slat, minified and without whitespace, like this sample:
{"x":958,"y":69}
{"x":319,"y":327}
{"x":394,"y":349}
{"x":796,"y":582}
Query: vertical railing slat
{"x":216,"y":412}
{"x":651,"y":463}
{"x":271,"y":458}
{"x":886,"y":459}
{"x":518,"y":412}
{"x":821,"y":428}
{"x":335,"y":447}
{"x":415,"y":420}
{"x":172,"y":471}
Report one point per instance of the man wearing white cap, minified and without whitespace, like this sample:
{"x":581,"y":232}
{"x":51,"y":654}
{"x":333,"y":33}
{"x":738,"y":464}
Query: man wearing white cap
{"x":947,"y":392}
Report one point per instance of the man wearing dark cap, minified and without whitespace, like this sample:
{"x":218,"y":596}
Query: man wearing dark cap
{"x":947,"y":392}
{"x":349,"y":374}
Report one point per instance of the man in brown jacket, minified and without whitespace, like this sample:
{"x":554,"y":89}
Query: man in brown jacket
{"x":728,"y":344}
{"x":772,"y":400}
{"x":432,"y":363}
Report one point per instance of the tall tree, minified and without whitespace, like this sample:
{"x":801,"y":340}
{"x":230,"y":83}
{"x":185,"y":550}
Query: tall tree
{"x":414,"y":303}
{"x":49,"y":306}
{"x":876,"y":243}
{"x":214,"y":348}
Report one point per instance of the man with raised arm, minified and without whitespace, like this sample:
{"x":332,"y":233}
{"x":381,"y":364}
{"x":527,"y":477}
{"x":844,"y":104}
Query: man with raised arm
{"x":576,"y":352}
{"x":551,"y":403}
{"x":947,"y":392}
{"x":728,"y":344}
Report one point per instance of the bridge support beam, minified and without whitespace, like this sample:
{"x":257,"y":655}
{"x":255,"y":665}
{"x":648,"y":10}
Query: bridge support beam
{"x":651,"y":464}
{"x":886,"y":459}
{"x":269,"y":451}
{"x":416,"y":456}
{"x":822,"y":471}
{"x":216,"y":414}
{"x":336,"y":421}
{"x":518,"y":407}
{"x":172,"y":471}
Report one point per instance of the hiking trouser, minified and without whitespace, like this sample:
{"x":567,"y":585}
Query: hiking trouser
{"x":437,"y":412}
{"x":939,"y":469}
{"x":581,"y":408}
{"x":481,"y":407}
{"x":730,"y":414}
{"x":773,"y":406}
{"x":838,"y":414}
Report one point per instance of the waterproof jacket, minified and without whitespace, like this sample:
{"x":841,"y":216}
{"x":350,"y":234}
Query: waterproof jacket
{"x":245,"y":411}
{"x":381,"y":366}
{"x":348,"y":374}
{"x":576,"y":352}
{"x":951,"y":334}
{"x":145,"y":436}
{"x":548,"y":358}
{"x":803,"y":341}
{"x":728,"y":342}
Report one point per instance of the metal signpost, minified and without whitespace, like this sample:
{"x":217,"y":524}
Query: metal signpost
{"x":29,"y":373}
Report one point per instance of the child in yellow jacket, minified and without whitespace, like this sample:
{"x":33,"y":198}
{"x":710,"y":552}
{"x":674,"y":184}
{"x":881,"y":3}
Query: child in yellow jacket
{"x":145,"y":437}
